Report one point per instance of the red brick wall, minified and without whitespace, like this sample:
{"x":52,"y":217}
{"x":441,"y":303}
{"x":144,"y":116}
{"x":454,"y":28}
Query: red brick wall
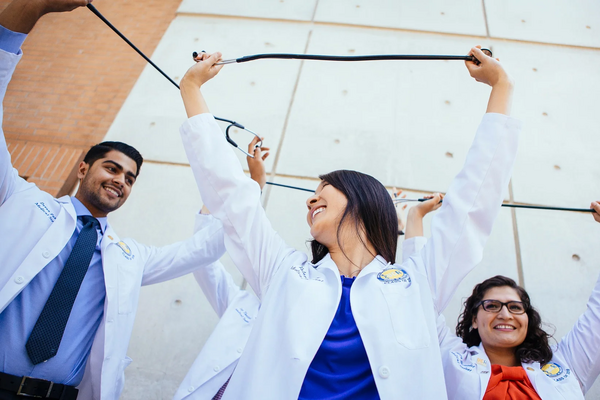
{"x":73,"y":78}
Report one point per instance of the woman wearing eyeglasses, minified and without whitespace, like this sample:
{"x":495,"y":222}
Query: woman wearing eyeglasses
{"x":500,"y":350}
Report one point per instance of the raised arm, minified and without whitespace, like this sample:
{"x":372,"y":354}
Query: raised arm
{"x":414,"y":240}
{"x":581,"y":346}
{"x":216,"y":283}
{"x":461,"y":228}
{"x":232,"y":197}
{"x":22,"y":15}
{"x":16,"y":20}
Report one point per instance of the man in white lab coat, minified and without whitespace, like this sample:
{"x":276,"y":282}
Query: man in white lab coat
{"x":69,"y":285}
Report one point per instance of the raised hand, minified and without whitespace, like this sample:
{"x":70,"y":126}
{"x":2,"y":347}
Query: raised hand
{"x":488,"y":71}
{"x":491,"y":72}
{"x":400,"y":211}
{"x":256,"y":165}
{"x":596,"y":206}
{"x":22,"y":15}
{"x":425,"y":207}
{"x":203,"y":71}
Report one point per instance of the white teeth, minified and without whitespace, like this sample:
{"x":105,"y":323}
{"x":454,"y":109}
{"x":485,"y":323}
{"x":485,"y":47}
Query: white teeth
{"x":318,"y":210}
{"x":504,"y":327}
{"x":112,"y":191}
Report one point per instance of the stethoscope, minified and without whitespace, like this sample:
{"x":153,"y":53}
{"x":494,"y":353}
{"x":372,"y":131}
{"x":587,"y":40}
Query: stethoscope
{"x":315,"y":57}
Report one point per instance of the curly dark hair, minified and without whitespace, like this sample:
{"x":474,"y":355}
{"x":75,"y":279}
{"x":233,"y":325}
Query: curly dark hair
{"x":535,"y":347}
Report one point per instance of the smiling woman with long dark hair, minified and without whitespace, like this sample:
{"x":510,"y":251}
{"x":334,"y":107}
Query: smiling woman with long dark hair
{"x":351,"y":324}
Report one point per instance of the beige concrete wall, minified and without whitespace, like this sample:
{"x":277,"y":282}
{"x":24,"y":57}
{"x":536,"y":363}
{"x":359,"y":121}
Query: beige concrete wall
{"x":407,"y":123}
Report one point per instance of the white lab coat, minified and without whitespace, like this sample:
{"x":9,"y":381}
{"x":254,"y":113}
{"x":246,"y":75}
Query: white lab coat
{"x":574,"y":367}
{"x":35,"y":227}
{"x":396,"y":317}
{"x":237,"y":310}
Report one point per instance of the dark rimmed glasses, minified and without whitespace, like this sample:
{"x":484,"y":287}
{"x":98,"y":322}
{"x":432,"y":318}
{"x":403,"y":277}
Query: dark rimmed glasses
{"x":495,"y":306}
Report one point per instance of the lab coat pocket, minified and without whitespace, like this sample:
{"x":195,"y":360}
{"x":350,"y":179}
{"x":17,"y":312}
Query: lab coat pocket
{"x":127,"y":279}
{"x":406,"y":313}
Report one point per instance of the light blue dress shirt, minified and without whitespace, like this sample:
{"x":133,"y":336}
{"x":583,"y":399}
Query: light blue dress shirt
{"x":19,"y":317}
{"x":11,"y":41}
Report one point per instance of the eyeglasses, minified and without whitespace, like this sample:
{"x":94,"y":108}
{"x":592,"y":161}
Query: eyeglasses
{"x":495,"y":306}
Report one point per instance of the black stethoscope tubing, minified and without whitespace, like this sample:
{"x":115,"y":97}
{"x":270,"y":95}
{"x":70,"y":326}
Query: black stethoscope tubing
{"x":377,"y":57}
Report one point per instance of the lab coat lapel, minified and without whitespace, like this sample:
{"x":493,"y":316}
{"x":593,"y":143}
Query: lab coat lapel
{"x":110,"y":272}
{"x":542,"y":385}
{"x":55,"y":238}
{"x":484,"y":368}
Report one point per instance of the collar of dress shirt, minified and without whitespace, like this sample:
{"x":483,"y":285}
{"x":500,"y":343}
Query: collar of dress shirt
{"x":80,"y":209}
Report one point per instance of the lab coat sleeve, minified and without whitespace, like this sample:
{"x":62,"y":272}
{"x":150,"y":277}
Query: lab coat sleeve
{"x":412,"y":247}
{"x":581,"y":346}
{"x":233,"y":198}
{"x":216,"y":283}
{"x":461,"y":227}
{"x":447,"y":338}
{"x":164,"y":263}
{"x":10,"y":182}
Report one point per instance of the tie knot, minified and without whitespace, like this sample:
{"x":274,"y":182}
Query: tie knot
{"x":88,"y":219}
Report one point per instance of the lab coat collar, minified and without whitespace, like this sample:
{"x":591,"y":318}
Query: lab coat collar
{"x":377,"y":265}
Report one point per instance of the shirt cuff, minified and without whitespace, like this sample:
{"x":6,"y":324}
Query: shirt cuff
{"x":10,"y":41}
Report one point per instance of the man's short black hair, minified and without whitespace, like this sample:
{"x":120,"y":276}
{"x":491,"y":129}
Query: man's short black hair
{"x":98,"y":151}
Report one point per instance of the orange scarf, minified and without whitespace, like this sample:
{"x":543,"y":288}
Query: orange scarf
{"x":509,"y":383}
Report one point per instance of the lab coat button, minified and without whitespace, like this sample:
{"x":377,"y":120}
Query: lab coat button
{"x":110,"y":321}
{"x":240,"y":350}
{"x":384,"y":372}
{"x":191,"y":389}
{"x":216,"y":369}
{"x":19,"y":279}
{"x":46,"y":254}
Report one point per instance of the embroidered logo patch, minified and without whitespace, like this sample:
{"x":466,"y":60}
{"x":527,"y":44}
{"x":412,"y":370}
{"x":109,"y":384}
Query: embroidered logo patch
{"x":556,"y":372}
{"x":552,"y":370}
{"x":466,"y":365}
{"x":43,"y":208}
{"x":126,"y":250}
{"x":394,"y":275}
{"x":244,"y":315}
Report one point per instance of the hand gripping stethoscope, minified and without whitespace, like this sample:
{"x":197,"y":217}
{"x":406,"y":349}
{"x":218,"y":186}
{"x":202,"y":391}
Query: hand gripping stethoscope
{"x":379,"y":57}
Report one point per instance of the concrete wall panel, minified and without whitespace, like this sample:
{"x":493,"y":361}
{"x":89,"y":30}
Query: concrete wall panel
{"x":556,"y":99}
{"x":301,"y":10}
{"x":575,"y":22}
{"x":463,"y":17}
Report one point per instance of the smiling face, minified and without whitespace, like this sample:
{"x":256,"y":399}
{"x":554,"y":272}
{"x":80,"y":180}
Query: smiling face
{"x":106,"y":184}
{"x":501,"y":330}
{"x":325,"y":210}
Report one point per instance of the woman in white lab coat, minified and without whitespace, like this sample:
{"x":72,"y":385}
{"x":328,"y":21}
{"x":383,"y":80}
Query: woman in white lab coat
{"x":500,"y":350}
{"x":349,"y":323}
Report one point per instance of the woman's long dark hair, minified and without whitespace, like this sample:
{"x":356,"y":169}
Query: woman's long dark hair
{"x":535,"y":347}
{"x":371,"y":209}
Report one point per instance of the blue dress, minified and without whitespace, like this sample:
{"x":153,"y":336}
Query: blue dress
{"x":340,"y":369}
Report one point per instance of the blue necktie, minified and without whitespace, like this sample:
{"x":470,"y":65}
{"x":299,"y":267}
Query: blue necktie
{"x":48,"y":331}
